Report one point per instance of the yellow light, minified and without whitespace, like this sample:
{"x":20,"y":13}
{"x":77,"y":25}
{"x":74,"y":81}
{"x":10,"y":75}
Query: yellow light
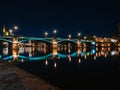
{"x":54,"y":52}
{"x":118,"y":44}
{"x":96,"y":49}
{"x":4,"y":29}
{"x":96,"y":45}
{"x":119,"y":49}
{"x":15,"y":54}
{"x":6,"y":33}
{"x":94,"y":36}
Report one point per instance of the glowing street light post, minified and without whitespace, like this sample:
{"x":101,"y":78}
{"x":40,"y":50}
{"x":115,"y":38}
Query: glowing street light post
{"x":54,"y":39}
{"x":11,"y":32}
{"x":69,"y":36}
{"x":54,"y":32}
{"x":15,"y":44}
{"x":46,"y":34}
{"x":78,"y":41}
{"x":79,"y":34}
{"x":16,"y":27}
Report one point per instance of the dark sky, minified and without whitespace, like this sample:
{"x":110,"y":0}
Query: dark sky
{"x":94,"y":17}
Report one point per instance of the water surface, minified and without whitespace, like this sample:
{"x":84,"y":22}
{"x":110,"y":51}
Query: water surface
{"x":68,"y":68}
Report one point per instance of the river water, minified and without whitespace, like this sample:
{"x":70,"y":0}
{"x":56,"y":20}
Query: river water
{"x":68,"y":68}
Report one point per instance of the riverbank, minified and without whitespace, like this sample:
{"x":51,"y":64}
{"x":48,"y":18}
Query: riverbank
{"x":14,"y":78}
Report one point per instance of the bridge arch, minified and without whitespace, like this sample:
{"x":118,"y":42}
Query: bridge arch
{"x":67,"y":41}
{"x":6,"y":40}
{"x":37,"y":39}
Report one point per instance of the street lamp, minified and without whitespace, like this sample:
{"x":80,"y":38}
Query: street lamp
{"x":46,"y":34}
{"x":11,"y":32}
{"x":85,"y":37}
{"x":15,"y":27}
{"x":69,"y":36}
{"x":79,"y":34}
{"x":55,"y":31}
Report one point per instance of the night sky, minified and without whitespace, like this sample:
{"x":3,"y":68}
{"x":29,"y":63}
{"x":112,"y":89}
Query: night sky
{"x":90,"y":17}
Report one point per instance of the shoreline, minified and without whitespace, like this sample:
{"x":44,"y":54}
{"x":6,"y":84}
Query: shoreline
{"x":14,"y":78}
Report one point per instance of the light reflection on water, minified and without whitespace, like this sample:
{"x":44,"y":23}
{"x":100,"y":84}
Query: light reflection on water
{"x":62,"y":67}
{"x":32,"y":53}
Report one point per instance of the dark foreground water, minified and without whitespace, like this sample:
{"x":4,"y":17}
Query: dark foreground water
{"x":70,"y":69}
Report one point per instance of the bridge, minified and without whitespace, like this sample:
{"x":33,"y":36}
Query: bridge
{"x":15,"y":41}
{"x":48,"y":40}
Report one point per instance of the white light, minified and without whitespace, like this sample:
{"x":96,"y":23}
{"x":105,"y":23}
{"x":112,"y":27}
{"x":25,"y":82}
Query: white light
{"x":22,"y":60}
{"x":79,"y":60}
{"x":85,"y":57}
{"x":15,"y":27}
{"x":79,"y":34}
{"x":55,"y":65}
{"x":94,"y":36}
{"x":94,"y":57}
{"x":85,"y":37}
{"x":46,"y":62}
{"x":69,"y":36}
{"x":113,"y":40}
{"x":93,"y":43}
{"x":105,"y":55}
{"x":46,"y":33}
{"x":93,"y":51}
{"x":55,"y":31}
{"x":114,"y":53}
{"x":10,"y":30}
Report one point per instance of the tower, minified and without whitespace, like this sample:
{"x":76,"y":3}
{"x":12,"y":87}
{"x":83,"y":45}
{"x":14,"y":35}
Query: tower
{"x":5,"y":32}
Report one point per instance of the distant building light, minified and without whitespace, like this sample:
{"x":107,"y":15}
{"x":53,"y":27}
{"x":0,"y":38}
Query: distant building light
{"x":114,"y":53}
{"x":114,"y":40}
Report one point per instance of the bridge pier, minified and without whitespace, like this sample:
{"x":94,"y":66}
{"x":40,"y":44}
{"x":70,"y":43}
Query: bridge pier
{"x":54,"y":42}
{"x":78,"y":43}
{"x":15,"y":44}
